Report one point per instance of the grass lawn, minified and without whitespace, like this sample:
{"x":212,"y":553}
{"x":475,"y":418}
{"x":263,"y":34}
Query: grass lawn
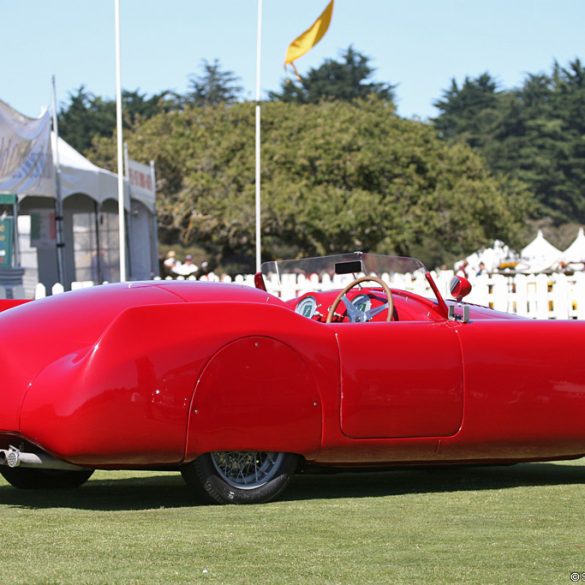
{"x":509,"y":525}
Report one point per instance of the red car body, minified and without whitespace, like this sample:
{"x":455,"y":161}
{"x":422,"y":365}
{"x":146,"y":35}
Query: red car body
{"x":155,"y":375}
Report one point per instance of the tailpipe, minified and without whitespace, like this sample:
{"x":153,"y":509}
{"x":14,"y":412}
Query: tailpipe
{"x":13,"y":457}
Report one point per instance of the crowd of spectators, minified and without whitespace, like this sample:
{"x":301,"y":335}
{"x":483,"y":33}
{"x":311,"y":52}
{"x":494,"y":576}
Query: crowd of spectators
{"x":174,"y":267}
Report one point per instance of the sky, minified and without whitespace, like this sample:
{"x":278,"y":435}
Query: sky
{"x":420,"y":45}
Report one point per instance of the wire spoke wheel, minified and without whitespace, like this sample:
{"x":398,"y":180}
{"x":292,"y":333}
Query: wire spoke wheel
{"x":246,"y":469}
{"x":240,"y":477}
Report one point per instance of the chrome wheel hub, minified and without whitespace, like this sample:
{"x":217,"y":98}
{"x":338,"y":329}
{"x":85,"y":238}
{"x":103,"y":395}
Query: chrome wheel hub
{"x":246,"y":470}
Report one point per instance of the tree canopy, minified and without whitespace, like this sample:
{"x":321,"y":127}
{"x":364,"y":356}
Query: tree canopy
{"x":533,"y":133}
{"x":337,"y":176}
{"x":87,"y":117}
{"x":469,"y":111}
{"x":347,"y":80}
{"x":213,"y":86}
{"x":341,"y":170}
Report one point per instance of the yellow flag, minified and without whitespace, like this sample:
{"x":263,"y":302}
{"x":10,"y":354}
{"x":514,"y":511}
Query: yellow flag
{"x":305,"y":42}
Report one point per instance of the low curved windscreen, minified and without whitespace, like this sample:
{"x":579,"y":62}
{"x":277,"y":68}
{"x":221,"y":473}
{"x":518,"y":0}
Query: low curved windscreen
{"x":329,"y":272}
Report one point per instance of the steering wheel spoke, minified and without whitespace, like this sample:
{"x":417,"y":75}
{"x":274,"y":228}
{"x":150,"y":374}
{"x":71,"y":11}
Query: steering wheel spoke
{"x":373,"y":312}
{"x":354,"y":314}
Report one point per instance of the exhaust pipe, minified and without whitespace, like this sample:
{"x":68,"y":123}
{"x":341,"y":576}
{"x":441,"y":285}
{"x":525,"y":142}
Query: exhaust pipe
{"x":13,"y":457}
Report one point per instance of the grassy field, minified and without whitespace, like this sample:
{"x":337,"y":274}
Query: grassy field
{"x":509,"y":525}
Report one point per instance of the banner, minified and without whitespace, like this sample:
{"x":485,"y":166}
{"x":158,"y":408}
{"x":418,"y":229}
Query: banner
{"x":141,"y":181}
{"x":43,"y":229}
{"x":26,"y":160}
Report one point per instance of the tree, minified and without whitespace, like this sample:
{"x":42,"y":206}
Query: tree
{"x":533,"y":133}
{"x":84,"y":117}
{"x":469,"y":112}
{"x":87,"y":117}
{"x":213,"y":86}
{"x":345,"y":80}
{"x":337,"y":176}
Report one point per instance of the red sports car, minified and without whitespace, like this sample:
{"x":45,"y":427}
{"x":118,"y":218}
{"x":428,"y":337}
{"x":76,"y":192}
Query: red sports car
{"x":237,"y":389}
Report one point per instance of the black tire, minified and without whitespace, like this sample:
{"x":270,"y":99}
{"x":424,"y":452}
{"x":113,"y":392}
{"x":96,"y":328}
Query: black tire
{"x":26,"y":478}
{"x":215,"y":477}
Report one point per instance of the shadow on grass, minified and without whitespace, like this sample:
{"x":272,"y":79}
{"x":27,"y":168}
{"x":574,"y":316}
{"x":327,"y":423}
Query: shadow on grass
{"x":136,"y":493}
{"x":169,"y":490}
{"x":432,"y":480}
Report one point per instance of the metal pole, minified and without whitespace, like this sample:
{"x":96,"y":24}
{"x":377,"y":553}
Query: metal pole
{"x":258,"y":143}
{"x":126,"y":161}
{"x":129,"y":218}
{"x":154,"y":237}
{"x":99,"y":272}
{"x":15,"y":242}
{"x":59,"y":200}
{"x":121,"y":222}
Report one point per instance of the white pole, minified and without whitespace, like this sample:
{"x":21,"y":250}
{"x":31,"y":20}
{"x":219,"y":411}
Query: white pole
{"x":129,"y":226}
{"x":258,"y":175}
{"x":154,"y":238}
{"x":121,"y":214}
{"x":59,"y":201}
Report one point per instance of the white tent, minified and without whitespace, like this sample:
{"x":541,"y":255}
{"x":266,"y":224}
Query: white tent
{"x":28,"y":159}
{"x":539,"y":255}
{"x":88,"y":215}
{"x":575,"y":253}
{"x":491,"y":258}
{"x":90,"y":208}
{"x":80,"y":175}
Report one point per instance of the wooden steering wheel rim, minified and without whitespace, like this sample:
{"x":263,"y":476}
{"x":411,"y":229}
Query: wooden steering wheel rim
{"x":355,"y":282}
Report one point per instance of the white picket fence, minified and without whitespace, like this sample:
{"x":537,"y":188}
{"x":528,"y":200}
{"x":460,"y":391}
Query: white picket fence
{"x":539,"y":296}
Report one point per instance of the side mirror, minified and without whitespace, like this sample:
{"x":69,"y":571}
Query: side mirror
{"x":459,"y":287}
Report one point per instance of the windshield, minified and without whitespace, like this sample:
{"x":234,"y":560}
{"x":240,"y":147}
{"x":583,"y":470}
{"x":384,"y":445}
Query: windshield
{"x":290,"y":278}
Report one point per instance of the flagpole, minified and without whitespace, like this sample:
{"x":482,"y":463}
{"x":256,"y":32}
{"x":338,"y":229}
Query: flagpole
{"x":121,"y":214}
{"x":258,"y":112}
{"x":59,"y":200}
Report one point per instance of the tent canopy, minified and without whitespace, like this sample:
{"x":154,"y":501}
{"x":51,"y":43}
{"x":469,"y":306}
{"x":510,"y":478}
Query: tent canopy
{"x":576,"y":251}
{"x":80,"y":175}
{"x":28,"y":150}
{"x":540,"y":254}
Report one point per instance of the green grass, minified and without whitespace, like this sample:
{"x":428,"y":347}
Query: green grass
{"x":509,"y":525}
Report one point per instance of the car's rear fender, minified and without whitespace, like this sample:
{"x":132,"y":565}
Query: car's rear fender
{"x":256,"y":394}
{"x":127,"y":400}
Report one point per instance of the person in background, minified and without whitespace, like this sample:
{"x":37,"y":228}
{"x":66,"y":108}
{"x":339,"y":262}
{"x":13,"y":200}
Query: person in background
{"x":170,"y":263}
{"x":481,"y":270}
{"x":187,"y":268}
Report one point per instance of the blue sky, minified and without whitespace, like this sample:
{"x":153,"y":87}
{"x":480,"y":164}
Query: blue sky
{"x":418,"y":44}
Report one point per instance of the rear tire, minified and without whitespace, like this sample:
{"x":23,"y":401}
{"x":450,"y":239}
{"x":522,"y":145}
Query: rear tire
{"x":26,"y":478}
{"x":240,"y":477}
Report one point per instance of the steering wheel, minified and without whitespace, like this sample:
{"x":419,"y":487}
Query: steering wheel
{"x":354,"y":314}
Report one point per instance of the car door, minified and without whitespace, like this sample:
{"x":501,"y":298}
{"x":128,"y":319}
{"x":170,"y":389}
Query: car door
{"x":400,"y":379}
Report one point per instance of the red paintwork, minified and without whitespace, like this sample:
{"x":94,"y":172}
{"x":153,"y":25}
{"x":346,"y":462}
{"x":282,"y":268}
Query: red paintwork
{"x":154,"y":374}
{"x":10,"y":303}
{"x":442,"y":308}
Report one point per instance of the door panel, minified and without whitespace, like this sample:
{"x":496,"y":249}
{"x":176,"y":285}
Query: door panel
{"x":400,"y":380}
